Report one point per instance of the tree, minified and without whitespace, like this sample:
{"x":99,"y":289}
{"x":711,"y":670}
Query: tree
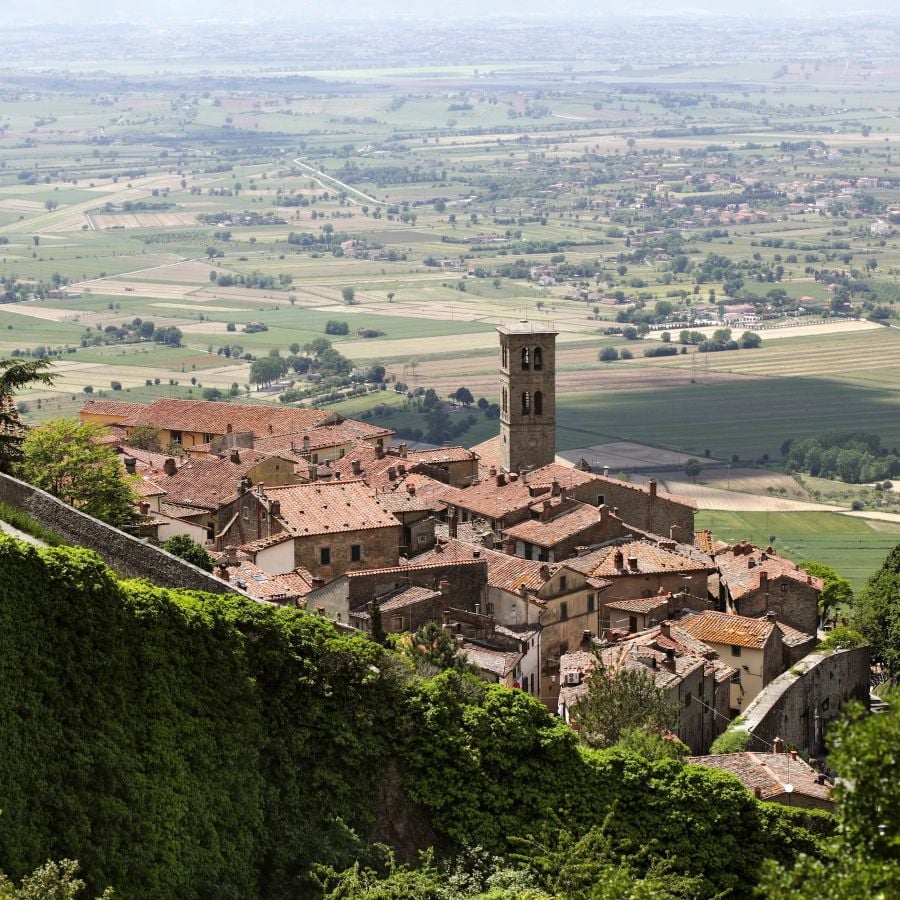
{"x":375,"y":375}
{"x":64,"y":458}
{"x":52,"y":880}
{"x":463,"y":395}
{"x":184,"y":547}
{"x":617,"y":701}
{"x":145,"y":437}
{"x":692,"y":468}
{"x":836,"y":590}
{"x":13,"y":376}
{"x":334,"y":326}
{"x":876,"y":613}
{"x":267,"y":369}
{"x":630,"y":333}
{"x":626,"y":354}
{"x":349,"y":295}
{"x":750,"y":340}
{"x":433,"y":650}
{"x":608,"y":354}
{"x":377,"y":633}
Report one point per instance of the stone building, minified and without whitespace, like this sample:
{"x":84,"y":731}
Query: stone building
{"x":527,"y":396}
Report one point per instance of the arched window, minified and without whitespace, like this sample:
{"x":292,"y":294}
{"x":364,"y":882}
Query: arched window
{"x":538,"y":403}
{"x":526,"y":359}
{"x":538,"y":359}
{"x":504,"y":400}
{"x":526,"y":403}
{"x":503,"y":361}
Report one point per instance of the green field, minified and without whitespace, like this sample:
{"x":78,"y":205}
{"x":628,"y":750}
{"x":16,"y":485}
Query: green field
{"x":853,"y":547}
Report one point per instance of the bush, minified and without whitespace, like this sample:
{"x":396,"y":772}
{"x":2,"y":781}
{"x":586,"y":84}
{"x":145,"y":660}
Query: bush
{"x":189,"y":550}
{"x":664,"y":350}
{"x":608,"y":354}
{"x":116,"y":385}
{"x":843,"y":638}
{"x":333,"y":326}
{"x":734,"y":740}
{"x":626,"y":354}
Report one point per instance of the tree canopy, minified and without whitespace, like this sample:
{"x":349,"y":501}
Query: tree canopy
{"x":876,"y":613}
{"x":14,"y":375}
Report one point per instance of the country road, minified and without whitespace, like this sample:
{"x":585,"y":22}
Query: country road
{"x":332,"y":181}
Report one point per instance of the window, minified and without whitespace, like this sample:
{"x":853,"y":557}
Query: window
{"x":504,"y":400}
{"x":503,"y":361}
{"x":687,"y":699}
{"x":490,"y":609}
{"x":632,"y":624}
{"x":784,"y":586}
{"x":422,"y":539}
{"x":325,"y":556}
{"x":246,"y":513}
{"x":563,"y":612}
{"x":355,"y":553}
{"x":735,"y":651}
{"x":176,"y":437}
{"x":538,"y":359}
{"x":590,"y":606}
{"x":397,"y":623}
{"x":526,"y":403}
{"x":526,"y":359}
{"x":207,"y":438}
{"x":601,"y":499}
{"x":538,"y":403}
{"x":562,"y":582}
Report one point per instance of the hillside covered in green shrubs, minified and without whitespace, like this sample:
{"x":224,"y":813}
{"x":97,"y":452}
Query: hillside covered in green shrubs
{"x":195,"y":746}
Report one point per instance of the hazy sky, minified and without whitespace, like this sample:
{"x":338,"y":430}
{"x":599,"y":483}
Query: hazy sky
{"x":161,"y":11}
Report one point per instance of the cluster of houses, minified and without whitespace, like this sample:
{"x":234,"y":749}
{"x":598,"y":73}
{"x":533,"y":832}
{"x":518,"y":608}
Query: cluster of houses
{"x":539,"y":569}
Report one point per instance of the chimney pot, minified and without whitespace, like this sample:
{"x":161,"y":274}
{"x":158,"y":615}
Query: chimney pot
{"x":665,"y":629}
{"x":275,"y":508}
{"x":606,"y":471}
{"x":402,"y":449}
{"x":169,"y":466}
{"x":130,"y":464}
{"x":317,"y":581}
{"x":235,"y":456}
{"x":501,"y":479}
{"x":444,"y":587}
{"x":356,"y":465}
{"x":652,"y":486}
{"x":793,"y":754}
{"x":778,"y":745}
{"x":619,"y":560}
{"x":555,"y":489}
{"x":513,"y":476}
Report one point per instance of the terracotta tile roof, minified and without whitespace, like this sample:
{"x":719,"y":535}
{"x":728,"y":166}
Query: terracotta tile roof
{"x":263,"y":585}
{"x":643,"y":605}
{"x":714,"y":627}
{"x":508,"y":573}
{"x":793,"y":637}
{"x":212,"y":417}
{"x":149,"y":462}
{"x":321,"y":436}
{"x":561,"y":527}
{"x":330,"y":508}
{"x":407,"y":597}
{"x":741,"y":567}
{"x":467,"y":532}
{"x":118,"y":408}
{"x":768,"y":773}
{"x":671,"y":636}
{"x":488,"y":452}
{"x":420,"y":564}
{"x":497,"y":662}
{"x":441,"y":455}
{"x":144,"y":487}
{"x":651,"y":559}
{"x":208,"y":482}
{"x":703,"y":540}
{"x":176,"y":511}
{"x":494,"y":501}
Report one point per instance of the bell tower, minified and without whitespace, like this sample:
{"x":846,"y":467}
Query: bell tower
{"x":527,"y":396}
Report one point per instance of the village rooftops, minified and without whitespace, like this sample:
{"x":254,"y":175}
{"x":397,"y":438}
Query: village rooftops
{"x":212,"y":417}
{"x":747,"y":569}
{"x":398,"y":600}
{"x":496,"y":496}
{"x":714,"y":627}
{"x":641,"y":605}
{"x":326,"y":508}
{"x":768,"y":775}
{"x":632,"y":558}
{"x":285,"y":588}
{"x":565,"y":524}
{"x":498,"y":662}
{"x":118,"y":408}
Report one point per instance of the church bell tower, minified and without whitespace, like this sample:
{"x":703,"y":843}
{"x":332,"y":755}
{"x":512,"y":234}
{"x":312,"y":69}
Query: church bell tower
{"x":527,"y":396}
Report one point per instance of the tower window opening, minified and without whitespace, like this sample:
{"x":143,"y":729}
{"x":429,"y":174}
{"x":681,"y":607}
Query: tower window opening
{"x":526,"y":359}
{"x":538,"y":359}
{"x":504,"y":400}
{"x":538,"y":403}
{"x":526,"y":403}
{"x":503,"y":358}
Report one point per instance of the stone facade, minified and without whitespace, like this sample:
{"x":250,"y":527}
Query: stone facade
{"x":527,"y":396}
{"x":795,"y":603}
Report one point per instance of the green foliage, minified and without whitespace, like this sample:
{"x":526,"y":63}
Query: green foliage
{"x":876,"y":612}
{"x":842,"y":638}
{"x":608,"y":354}
{"x":431,"y":650}
{"x":652,"y":745}
{"x":618,"y":702}
{"x":21,"y":520}
{"x":188,"y":745}
{"x":14,"y":375}
{"x":145,"y":437}
{"x":855,"y":457}
{"x":692,"y":468}
{"x":65,"y":459}
{"x":333,"y":326}
{"x":733,"y":740}
{"x":186,"y":548}
{"x":52,"y":880}
{"x":836,"y":590}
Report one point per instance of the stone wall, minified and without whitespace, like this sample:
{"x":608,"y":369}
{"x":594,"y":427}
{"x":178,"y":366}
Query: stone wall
{"x":798,"y":705}
{"x":126,"y":555}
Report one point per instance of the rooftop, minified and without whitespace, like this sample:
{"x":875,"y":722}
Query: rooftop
{"x":714,"y":627}
{"x":651,"y":559}
{"x":742,"y":565}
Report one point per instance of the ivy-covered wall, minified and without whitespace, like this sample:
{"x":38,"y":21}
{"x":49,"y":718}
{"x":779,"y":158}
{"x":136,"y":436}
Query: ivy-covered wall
{"x":195,"y":746}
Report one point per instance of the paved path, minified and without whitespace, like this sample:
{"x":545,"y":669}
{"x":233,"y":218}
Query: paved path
{"x":329,"y":181}
{"x":14,"y":532}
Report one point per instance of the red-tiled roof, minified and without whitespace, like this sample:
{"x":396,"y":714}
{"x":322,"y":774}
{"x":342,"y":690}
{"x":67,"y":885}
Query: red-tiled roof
{"x":330,"y":508}
{"x":642,"y":605}
{"x":277,"y":588}
{"x":768,"y":773}
{"x":741,"y":567}
{"x":561,"y":527}
{"x":211,"y":417}
{"x":493,"y":500}
{"x":208,"y":482}
{"x":112,"y":408}
{"x":497,"y":662}
{"x":651,"y":559}
{"x":714,"y":627}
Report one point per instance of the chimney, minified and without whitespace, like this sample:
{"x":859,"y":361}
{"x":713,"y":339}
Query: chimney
{"x":665,"y":629}
{"x":778,"y":745}
{"x":402,"y":448}
{"x":446,"y":618}
{"x":222,"y":572}
{"x":586,"y":639}
{"x":546,"y":511}
{"x":652,"y":485}
{"x":379,"y":451}
{"x":306,"y":443}
{"x":615,"y":510}
{"x":356,"y":465}
{"x":545,"y":572}
{"x":444,"y":587}
{"x":411,"y":489}
{"x":604,"y":514}
{"x":261,"y":489}
{"x":736,"y":550}
{"x":169,"y":466}
{"x":401,"y":469}
{"x":633,"y":563}
{"x":476,"y":554}
{"x":492,"y":471}
{"x":670,"y":660}
{"x":313,"y":473}
{"x":509,"y":546}
{"x":619,"y":560}
{"x":275,"y":508}
{"x":235,"y":456}
{"x":453,"y":527}
{"x":501,"y":479}
{"x":392,"y":473}
{"x":763,"y":580}
{"x":231,"y":555}
{"x":130,"y":464}
{"x":317,"y":581}
{"x":228,"y":428}
{"x":555,"y":489}
{"x":144,"y":507}
{"x":513,"y":477}
{"x":793,"y":754}
{"x":606,"y":471}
